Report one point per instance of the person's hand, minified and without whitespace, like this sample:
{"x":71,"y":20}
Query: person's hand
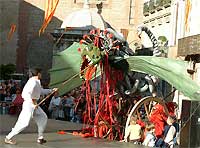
{"x":35,"y":106}
{"x":55,"y":89}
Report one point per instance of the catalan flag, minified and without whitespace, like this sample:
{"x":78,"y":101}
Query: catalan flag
{"x":49,"y":12}
{"x":188,"y":7}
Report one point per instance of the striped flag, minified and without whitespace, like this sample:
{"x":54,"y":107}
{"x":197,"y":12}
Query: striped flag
{"x":188,"y":7}
{"x":49,"y":12}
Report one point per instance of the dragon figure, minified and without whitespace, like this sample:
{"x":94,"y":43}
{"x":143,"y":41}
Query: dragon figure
{"x":106,"y":54}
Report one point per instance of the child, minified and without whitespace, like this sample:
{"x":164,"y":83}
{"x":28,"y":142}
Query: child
{"x":133,"y":131}
{"x":149,"y":136}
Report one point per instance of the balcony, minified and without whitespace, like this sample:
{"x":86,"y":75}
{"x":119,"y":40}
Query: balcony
{"x":151,"y":6}
{"x":146,"y":9}
{"x":166,"y":3}
{"x":189,"y":45}
{"x":159,"y":5}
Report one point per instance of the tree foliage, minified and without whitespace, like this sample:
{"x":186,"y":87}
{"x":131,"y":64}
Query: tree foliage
{"x":6,"y":70}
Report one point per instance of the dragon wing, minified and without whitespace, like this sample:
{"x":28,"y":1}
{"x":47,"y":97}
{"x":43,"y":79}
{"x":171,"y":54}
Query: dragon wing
{"x":170,"y":70}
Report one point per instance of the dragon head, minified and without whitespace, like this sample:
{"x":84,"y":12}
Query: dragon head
{"x":91,"y":55}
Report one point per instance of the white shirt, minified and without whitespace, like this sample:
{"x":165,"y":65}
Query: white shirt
{"x":134,"y":131}
{"x":149,"y":140}
{"x":55,"y":101}
{"x":33,"y":90}
{"x":170,"y":135}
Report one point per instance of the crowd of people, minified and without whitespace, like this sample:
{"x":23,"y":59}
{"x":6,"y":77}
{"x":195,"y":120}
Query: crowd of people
{"x":146,"y":134}
{"x":10,"y":97}
{"x":68,"y":107}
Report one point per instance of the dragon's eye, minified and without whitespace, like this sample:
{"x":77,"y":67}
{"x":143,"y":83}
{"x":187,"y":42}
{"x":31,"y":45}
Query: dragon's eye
{"x":93,"y":56}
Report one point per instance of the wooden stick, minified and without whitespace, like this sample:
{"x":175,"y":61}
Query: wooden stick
{"x":46,"y":98}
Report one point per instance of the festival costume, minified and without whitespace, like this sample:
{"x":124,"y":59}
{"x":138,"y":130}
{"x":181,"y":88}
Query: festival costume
{"x":32,"y":90}
{"x":158,"y":118}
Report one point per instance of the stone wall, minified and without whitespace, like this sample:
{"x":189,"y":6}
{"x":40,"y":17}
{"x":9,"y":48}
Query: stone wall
{"x":8,"y":15}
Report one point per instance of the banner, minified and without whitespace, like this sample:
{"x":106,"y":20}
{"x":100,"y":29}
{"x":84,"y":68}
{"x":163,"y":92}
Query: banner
{"x":49,"y":12}
{"x":10,"y":33}
{"x":188,"y":7}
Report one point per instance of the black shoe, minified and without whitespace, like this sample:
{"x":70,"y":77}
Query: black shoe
{"x":41,"y":141}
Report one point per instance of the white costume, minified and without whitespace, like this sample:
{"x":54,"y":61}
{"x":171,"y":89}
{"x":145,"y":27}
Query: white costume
{"x":32,"y":90}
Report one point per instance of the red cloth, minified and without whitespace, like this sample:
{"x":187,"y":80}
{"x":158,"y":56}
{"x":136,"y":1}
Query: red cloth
{"x":158,"y":118}
{"x":171,"y":106}
{"x":141,"y":123}
{"x":103,"y":129}
{"x":18,"y":100}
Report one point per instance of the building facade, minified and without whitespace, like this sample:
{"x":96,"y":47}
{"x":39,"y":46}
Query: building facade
{"x":27,"y":49}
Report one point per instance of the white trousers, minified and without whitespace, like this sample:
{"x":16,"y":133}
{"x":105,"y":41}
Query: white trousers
{"x":28,"y":112}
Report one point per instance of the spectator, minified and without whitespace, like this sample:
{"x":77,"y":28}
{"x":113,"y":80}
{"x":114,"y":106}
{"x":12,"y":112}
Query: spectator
{"x":66,"y":107}
{"x":8,"y":97}
{"x":80,"y":108}
{"x":70,"y":106}
{"x":61,"y":114}
{"x":17,"y":102}
{"x":150,"y":138}
{"x":133,"y":131}
{"x":2,"y":95}
{"x":54,"y":106}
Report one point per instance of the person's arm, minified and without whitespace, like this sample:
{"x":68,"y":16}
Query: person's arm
{"x":47,"y":91}
{"x":127,"y":133}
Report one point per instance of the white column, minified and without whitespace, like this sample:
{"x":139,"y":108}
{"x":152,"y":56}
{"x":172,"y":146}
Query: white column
{"x":194,"y":22}
{"x":173,"y":23}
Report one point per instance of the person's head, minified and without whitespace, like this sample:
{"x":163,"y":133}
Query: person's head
{"x":35,"y":72}
{"x":18,"y":91}
{"x":150,"y":127}
{"x":56,"y":94}
{"x":133,"y":120}
{"x":171,"y":119}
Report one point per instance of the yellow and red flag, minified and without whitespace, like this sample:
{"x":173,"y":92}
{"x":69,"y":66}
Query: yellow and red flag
{"x":10,"y":33}
{"x":188,"y":7}
{"x":49,"y":12}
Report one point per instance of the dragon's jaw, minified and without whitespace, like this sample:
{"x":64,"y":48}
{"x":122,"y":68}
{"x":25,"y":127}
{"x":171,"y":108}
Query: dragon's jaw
{"x":139,"y":33}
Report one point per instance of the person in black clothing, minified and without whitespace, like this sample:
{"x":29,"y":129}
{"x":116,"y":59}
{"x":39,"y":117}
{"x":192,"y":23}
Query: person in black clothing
{"x":80,"y":108}
{"x":2,"y":95}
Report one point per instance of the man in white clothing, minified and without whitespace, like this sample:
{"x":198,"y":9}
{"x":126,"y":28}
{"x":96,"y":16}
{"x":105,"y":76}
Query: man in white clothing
{"x":31,"y":93}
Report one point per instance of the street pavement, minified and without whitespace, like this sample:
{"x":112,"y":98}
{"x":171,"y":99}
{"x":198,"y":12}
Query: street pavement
{"x":27,"y":138}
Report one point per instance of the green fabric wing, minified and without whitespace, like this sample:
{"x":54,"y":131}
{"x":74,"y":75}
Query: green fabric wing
{"x":66,"y":64}
{"x":170,"y":70}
